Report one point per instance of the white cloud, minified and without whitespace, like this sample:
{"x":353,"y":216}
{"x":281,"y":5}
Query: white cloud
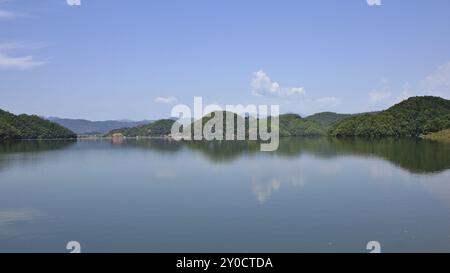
{"x":263,"y":86}
{"x":438,"y":82}
{"x":21,"y":63}
{"x":374,"y":2}
{"x":7,"y":61}
{"x":4,"y":14}
{"x":19,"y":45}
{"x":10,"y":46}
{"x":166,"y":100}
{"x":293,"y":99}
{"x":296,"y":91}
{"x":327,"y":102}
{"x":376,"y":96}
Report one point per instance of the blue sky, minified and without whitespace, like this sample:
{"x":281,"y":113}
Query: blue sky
{"x":112,"y":59}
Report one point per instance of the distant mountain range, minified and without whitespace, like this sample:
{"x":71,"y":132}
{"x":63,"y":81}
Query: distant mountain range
{"x":414,"y":117}
{"x":82,"y":126}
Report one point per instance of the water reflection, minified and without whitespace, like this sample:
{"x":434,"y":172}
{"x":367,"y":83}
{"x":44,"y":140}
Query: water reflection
{"x":12,"y":220}
{"x":28,"y":152}
{"x":265,"y":186}
{"x":165,"y":196}
{"x":414,"y":155}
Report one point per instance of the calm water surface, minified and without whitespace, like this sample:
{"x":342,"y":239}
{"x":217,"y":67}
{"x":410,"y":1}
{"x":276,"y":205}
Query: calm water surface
{"x":312,"y":195}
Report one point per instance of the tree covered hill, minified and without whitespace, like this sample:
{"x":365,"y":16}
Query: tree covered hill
{"x":157,"y":128}
{"x":410,"y":118}
{"x":294,"y":125}
{"x":327,"y":119}
{"x":290,"y":125}
{"x":30,"y":127}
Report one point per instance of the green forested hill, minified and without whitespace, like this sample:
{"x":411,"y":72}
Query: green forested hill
{"x":290,"y":125}
{"x":411,"y":118}
{"x":294,"y":125}
{"x":158,"y":128}
{"x":326,"y":119}
{"x":30,"y":127}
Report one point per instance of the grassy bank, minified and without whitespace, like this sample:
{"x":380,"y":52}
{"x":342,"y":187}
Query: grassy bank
{"x":443,"y":135}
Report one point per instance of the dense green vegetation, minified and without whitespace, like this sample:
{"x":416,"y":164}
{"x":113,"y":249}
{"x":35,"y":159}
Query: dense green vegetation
{"x":327,"y":119}
{"x":411,"y":118}
{"x":7,"y":131}
{"x":30,"y":127}
{"x":156,"y":129}
{"x":294,"y":125}
{"x":290,"y":125}
{"x":236,"y":119}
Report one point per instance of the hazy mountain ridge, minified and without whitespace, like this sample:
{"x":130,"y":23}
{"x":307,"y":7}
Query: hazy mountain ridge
{"x":83,"y":126}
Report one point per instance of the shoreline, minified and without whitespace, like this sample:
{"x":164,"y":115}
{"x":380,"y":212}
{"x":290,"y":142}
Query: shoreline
{"x":430,"y":136}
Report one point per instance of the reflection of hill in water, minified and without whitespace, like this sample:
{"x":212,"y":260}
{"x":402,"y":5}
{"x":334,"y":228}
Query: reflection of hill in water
{"x":413,"y":155}
{"x":33,"y":146}
{"x":158,"y":145}
{"x":28,"y":150}
{"x":222,"y":151}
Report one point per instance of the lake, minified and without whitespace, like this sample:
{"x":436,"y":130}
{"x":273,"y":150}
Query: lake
{"x":311,"y":195}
